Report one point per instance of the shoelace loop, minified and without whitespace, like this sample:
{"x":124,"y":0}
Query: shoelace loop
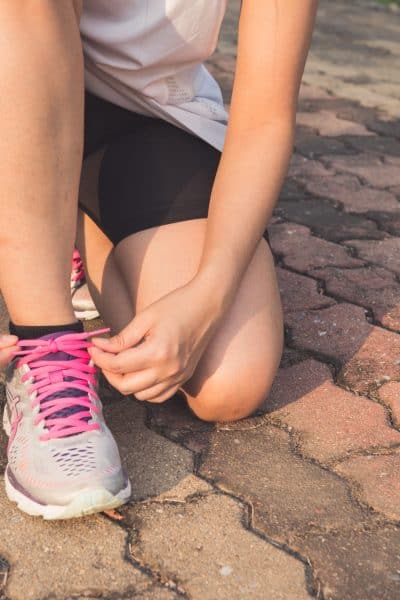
{"x":62,"y":385}
{"x":78,"y":272}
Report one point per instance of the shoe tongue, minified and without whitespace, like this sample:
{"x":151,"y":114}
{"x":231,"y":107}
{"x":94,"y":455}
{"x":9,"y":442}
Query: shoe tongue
{"x":70,"y":392}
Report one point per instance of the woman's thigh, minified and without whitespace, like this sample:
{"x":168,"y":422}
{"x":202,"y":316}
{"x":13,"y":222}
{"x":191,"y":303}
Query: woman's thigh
{"x":148,"y":189}
{"x":236,"y":371}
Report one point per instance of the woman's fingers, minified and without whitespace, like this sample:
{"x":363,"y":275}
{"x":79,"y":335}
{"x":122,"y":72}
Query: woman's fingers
{"x":132,"y":335}
{"x":8,"y":346}
{"x":157,"y":394}
{"x":132,"y":383}
{"x":143,"y":385}
{"x":131,"y":360}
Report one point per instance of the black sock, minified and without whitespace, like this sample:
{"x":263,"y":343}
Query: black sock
{"x":31,"y":332}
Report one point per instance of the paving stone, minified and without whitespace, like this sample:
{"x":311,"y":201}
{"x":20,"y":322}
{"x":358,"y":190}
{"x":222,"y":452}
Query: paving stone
{"x":289,"y":495}
{"x":342,"y":62}
{"x":174,"y":419}
{"x":396,"y":191}
{"x":376,"y":144}
{"x":84,"y":554}
{"x":300,"y":293}
{"x":304,"y":168}
{"x":311,"y":145}
{"x":328,"y":221}
{"x":356,"y":112}
{"x":385,"y":253}
{"x":331,"y":422}
{"x":367,"y":166}
{"x":387,"y":221}
{"x":291,"y":356}
{"x":185,"y":489}
{"x":337,"y":332}
{"x":303,"y":252}
{"x":353,"y":195}
{"x":224,"y":565}
{"x":155,"y":464}
{"x":292,"y":190}
{"x":4,"y":570}
{"x":356,"y":565}
{"x":368,"y":354}
{"x":389,"y":394}
{"x":372,"y":287}
{"x":329,"y":124}
{"x":312,"y":92}
{"x":377,"y":478}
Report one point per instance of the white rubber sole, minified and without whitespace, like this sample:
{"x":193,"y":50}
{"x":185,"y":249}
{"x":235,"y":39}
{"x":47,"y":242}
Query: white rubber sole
{"x":87,"y":315}
{"x":87,"y":502}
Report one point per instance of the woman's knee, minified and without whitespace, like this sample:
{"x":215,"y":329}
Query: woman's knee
{"x":230,"y":395}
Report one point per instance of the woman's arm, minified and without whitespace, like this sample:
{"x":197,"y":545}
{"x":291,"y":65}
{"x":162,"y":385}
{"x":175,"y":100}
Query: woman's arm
{"x":274,"y":37}
{"x":160,"y":349}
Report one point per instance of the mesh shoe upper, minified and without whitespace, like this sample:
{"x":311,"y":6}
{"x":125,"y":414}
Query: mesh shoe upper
{"x":59,"y":442}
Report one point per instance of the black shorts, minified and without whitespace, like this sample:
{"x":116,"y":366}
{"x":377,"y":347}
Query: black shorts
{"x":152,"y":173}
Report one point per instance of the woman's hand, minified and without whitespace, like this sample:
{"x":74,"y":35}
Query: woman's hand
{"x":8,"y":345}
{"x":159,"y":350}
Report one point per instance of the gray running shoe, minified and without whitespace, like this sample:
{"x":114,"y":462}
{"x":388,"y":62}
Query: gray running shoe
{"x":63,"y":461}
{"x":82,"y":302}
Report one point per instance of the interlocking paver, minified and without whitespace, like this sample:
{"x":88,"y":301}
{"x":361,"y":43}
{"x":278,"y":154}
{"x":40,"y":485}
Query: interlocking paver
{"x":288,"y":495}
{"x":351,"y":58}
{"x":374,"y":288}
{"x":377,"y":144}
{"x":367,"y":354}
{"x":378,"y":480}
{"x":331,"y":421}
{"x":389,"y":394}
{"x":56,"y":559}
{"x":303,"y":167}
{"x":155,"y":464}
{"x":224,"y":564}
{"x":353,"y":195}
{"x":343,"y":187}
{"x":311,"y":145}
{"x":300,"y":293}
{"x":363,"y":564}
{"x":329,"y":124}
{"x":327,"y":221}
{"x":385,"y":253}
{"x":367,"y":166}
{"x":389,"y":222}
{"x":304,"y":252}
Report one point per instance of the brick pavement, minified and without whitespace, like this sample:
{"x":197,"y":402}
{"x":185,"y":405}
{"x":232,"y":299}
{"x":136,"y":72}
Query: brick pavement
{"x":301,"y":500}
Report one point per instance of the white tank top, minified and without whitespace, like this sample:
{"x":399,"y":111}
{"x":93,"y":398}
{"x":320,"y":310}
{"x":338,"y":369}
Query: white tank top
{"x":147,"y":55}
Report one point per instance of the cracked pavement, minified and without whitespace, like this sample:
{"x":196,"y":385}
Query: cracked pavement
{"x":302,"y":499}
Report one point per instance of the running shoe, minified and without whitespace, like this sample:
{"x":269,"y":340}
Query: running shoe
{"x":63,"y":461}
{"x":82,"y":302}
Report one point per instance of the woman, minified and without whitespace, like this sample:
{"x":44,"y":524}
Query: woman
{"x":171,"y":231}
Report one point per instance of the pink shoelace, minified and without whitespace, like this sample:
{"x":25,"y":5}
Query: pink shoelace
{"x":59,"y":377}
{"x":78,"y":272}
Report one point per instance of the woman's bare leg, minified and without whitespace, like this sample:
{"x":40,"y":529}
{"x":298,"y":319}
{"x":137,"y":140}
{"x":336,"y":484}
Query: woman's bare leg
{"x":41,"y":108}
{"x":235,"y":374}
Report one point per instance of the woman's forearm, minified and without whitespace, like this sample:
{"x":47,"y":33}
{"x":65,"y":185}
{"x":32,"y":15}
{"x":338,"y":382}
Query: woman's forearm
{"x":246,"y":188}
{"x":274,"y":38}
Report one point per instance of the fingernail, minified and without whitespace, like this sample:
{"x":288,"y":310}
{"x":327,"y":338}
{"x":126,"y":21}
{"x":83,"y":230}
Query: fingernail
{"x":103,"y":341}
{"x":8,"y":339}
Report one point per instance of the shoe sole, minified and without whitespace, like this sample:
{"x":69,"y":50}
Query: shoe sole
{"x":86,"y":315}
{"x":87,"y":502}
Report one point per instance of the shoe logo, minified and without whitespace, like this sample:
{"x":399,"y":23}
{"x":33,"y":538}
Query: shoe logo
{"x":14,"y":417}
